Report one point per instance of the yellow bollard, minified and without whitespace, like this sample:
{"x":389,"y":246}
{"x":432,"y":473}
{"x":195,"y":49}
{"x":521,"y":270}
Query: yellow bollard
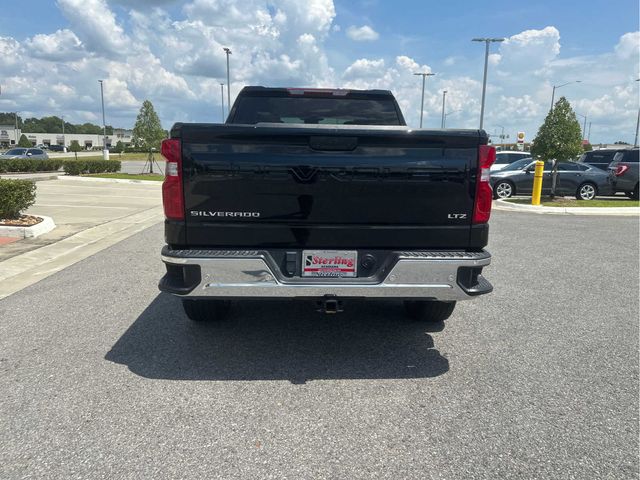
{"x":537,"y":183}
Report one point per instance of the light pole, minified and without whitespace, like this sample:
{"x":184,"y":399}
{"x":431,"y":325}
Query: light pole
{"x":105,"y":152}
{"x":227,"y":50}
{"x":424,"y":76}
{"x":447,"y":114}
{"x":589,"y":133}
{"x":635,"y":142}
{"x":584,"y":125}
{"x":486,"y":41}
{"x":16,"y":130}
{"x":501,"y":133}
{"x":444,"y":96}
{"x":555,"y":87}
{"x":64,"y":143}
{"x":222,"y":99}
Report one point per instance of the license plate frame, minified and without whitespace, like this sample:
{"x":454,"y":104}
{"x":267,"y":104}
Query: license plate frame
{"x":329,"y":263}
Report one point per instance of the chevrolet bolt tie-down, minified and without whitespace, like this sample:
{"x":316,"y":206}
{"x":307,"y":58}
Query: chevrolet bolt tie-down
{"x":326,"y":195}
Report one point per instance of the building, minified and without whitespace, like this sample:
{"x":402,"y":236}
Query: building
{"x":9,"y":137}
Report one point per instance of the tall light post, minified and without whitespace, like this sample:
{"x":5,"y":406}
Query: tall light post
{"x":555,"y":87}
{"x":635,"y":141}
{"x":105,"y":152}
{"x":16,"y":129}
{"x":501,"y":133}
{"x":486,"y":41}
{"x":589,"y":133}
{"x":584,"y":125}
{"x":227,"y":50}
{"x":64,"y":143}
{"x":424,"y":76}
{"x":222,"y":99}
{"x":444,"y":96}
{"x":447,"y":114}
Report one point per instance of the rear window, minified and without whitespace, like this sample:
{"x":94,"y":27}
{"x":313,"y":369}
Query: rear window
{"x":507,"y":158}
{"x":323,"y":111}
{"x":628,"y":156}
{"x":598,"y":156}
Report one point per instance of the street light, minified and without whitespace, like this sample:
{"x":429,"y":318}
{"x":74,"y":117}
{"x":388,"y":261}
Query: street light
{"x":105,"y":152}
{"x":502,"y":137}
{"x":222,"y":99}
{"x":589,"y":133}
{"x":635,"y":142}
{"x":487,"y":41}
{"x":444,"y":96}
{"x":553,"y":94}
{"x":447,"y":114}
{"x":227,"y":50}
{"x":424,"y":76}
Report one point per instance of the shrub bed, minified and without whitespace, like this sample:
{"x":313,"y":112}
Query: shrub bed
{"x":16,"y":196}
{"x":78,"y":167}
{"x":29,"y":165}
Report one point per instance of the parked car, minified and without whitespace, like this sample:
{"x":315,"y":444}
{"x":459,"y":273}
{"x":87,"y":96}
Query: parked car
{"x":42,"y":146}
{"x":599,"y":158}
{"x":623,"y":172}
{"x":581,"y":180}
{"x":35,"y":153}
{"x":326,"y":195}
{"x":56,"y":148}
{"x":506,"y":158}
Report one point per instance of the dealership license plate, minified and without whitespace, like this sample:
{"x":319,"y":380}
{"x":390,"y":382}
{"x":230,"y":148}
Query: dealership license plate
{"x":329,"y":263}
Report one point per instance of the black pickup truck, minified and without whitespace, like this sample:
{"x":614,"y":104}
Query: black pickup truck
{"x":325,"y":195}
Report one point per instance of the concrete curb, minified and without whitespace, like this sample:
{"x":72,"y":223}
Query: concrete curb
{"x":30,"y":267}
{"x":33,"y":176}
{"x":45,"y":226}
{"x":107,"y":180}
{"x":607,"y":211}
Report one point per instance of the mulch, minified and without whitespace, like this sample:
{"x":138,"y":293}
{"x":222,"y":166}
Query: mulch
{"x":22,"y":221}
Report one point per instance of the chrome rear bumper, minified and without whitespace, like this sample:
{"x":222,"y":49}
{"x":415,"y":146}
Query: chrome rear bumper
{"x":437,"y":275}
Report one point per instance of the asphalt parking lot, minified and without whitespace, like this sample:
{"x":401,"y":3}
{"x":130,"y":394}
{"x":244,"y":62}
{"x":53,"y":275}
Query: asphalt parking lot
{"x":104,"y":377}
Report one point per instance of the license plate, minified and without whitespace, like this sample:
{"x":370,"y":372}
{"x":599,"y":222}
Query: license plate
{"x":329,"y":263}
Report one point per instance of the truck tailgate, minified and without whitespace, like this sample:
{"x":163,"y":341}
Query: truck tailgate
{"x":327,"y":187}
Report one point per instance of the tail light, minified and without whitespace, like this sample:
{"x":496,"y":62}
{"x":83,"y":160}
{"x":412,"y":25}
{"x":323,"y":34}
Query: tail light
{"x":172,"y":196}
{"x":620,"y":169}
{"x":484,"y":194}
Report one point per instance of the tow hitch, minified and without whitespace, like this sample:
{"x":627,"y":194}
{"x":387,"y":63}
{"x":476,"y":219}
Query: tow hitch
{"x":330,"y":304}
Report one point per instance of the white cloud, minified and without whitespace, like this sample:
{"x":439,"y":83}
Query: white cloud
{"x":362,"y":34}
{"x":95,"y":24}
{"x":629,"y":45}
{"x":63,"y":45}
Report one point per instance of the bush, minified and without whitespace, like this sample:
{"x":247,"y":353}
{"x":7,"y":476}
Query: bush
{"x":29,"y":165}
{"x":78,"y":167}
{"x":16,"y":196}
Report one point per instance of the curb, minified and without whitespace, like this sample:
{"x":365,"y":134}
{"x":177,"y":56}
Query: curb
{"x":45,"y":226}
{"x":29,"y":176}
{"x":107,"y":180}
{"x":606,"y":211}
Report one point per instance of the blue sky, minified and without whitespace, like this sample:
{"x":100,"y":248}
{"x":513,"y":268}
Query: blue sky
{"x":170,"y":52}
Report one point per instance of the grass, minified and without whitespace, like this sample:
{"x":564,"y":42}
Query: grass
{"x":129,"y":176}
{"x":572,"y":202}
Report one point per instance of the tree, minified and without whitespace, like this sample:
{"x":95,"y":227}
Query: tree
{"x":75,"y":147}
{"x":587,"y":147}
{"x":559,"y":138}
{"x":148,"y":132}
{"x":24,"y":141}
{"x":119,"y":148}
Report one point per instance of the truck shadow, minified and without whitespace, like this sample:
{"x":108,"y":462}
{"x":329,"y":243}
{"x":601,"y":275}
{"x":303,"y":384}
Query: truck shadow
{"x":279,"y":340}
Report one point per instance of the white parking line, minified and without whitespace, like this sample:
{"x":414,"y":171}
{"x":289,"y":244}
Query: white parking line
{"x":81,"y":206}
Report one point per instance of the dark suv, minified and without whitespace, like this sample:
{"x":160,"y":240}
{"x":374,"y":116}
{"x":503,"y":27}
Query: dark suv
{"x":599,"y":158}
{"x":624,"y":172}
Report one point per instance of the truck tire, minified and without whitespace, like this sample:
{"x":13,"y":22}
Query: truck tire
{"x":429,"y":310}
{"x":204,"y":310}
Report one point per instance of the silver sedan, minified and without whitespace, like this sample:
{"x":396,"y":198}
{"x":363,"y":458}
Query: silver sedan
{"x":34,"y":153}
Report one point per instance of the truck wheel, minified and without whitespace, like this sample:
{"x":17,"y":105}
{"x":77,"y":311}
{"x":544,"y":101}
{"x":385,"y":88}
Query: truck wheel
{"x":586,"y":191}
{"x":428,"y":310}
{"x":503,"y":189}
{"x":206,"y":310}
